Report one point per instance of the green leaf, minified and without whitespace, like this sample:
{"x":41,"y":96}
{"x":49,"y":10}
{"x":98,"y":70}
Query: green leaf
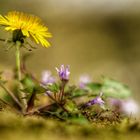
{"x":112,"y":88}
{"x":27,"y":81}
{"x":30,"y":86}
{"x":53,"y":88}
{"x":94,"y":88}
{"x":39,"y":89}
{"x":27,"y":90}
{"x":79,"y":93}
{"x":71,"y":106}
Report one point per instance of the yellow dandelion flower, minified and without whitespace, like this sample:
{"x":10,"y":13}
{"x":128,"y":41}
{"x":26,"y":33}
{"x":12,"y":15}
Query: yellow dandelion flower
{"x":25,"y":25}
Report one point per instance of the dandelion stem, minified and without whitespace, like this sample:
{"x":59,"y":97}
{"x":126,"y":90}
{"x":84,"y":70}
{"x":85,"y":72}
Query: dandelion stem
{"x":18,"y":67}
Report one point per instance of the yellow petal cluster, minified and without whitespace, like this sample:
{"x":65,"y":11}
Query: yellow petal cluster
{"x":30,"y":26}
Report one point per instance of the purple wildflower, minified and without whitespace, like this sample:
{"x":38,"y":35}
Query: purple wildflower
{"x":127,"y":106}
{"x":63,"y":72}
{"x":130,"y":106}
{"x":98,"y":100}
{"x":84,"y":80}
{"x":47,"y":78}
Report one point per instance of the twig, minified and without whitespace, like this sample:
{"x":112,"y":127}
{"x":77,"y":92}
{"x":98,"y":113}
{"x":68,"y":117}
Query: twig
{"x":51,"y":97}
{"x":43,"y":107}
{"x":5,"y":102}
{"x":11,"y":94}
{"x":2,"y":39}
{"x":9,"y":105}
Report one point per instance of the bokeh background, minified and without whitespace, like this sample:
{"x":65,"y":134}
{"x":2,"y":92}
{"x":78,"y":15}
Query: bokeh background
{"x":98,"y":37}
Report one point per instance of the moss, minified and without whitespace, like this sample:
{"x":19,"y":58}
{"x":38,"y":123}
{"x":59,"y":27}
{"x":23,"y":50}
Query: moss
{"x":14,"y":127}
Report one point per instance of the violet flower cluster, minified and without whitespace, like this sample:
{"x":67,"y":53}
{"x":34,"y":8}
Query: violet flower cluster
{"x":63,"y":72}
{"x":98,"y":100}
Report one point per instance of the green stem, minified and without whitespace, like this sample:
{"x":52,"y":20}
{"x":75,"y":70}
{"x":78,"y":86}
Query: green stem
{"x":62,"y":90}
{"x":18,"y":60}
{"x":18,"y":67}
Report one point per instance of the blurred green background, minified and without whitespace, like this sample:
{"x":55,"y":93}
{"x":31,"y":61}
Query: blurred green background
{"x":95,"y":37}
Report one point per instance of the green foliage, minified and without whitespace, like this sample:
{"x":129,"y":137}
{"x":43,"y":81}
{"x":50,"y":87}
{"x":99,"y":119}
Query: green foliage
{"x":109,"y":87}
{"x":112,"y":88}
{"x":31,"y":86}
{"x":71,"y":106}
{"x":62,"y":99}
{"x":53,"y":87}
{"x":78,"y":93}
{"x":28,"y":84}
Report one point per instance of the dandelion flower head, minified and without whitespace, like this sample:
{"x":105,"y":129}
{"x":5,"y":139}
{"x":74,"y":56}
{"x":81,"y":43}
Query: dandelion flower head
{"x":26,"y":25}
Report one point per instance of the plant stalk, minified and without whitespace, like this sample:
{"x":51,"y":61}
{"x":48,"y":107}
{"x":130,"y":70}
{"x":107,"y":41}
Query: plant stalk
{"x":60,"y":105}
{"x":62,"y":90}
{"x":18,"y":67}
